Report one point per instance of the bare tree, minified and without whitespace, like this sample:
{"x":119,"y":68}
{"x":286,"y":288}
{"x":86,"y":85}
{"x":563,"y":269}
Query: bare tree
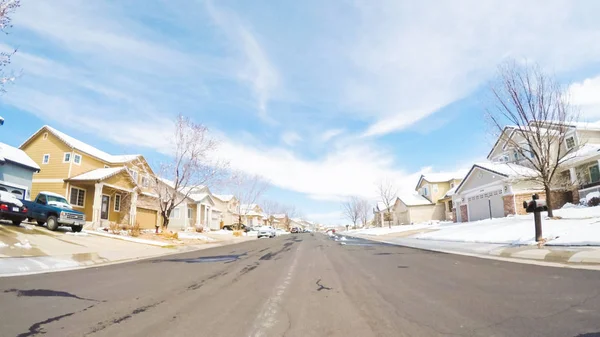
{"x":190,"y":166}
{"x":270,"y":208}
{"x":537,"y":109}
{"x":351,"y":210}
{"x":248,"y":189}
{"x":7,"y":7}
{"x":290,"y":213}
{"x":364,"y":210}
{"x":388,"y":193}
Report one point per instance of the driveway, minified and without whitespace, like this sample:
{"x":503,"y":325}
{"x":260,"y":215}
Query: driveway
{"x":29,"y":240}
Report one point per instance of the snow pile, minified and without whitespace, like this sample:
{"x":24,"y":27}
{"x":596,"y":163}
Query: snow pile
{"x":579,"y":226}
{"x":570,"y":205}
{"x":343,"y":238}
{"x":222,"y":232}
{"x":2,"y":244}
{"x":24,"y":244}
{"x":194,"y":236}
{"x":83,"y":233}
{"x":592,"y":195}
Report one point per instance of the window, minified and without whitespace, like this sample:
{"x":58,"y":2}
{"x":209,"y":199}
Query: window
{"x":106,"y":166}
{"x":451,"y":185}
{"x":134,"y":174}
{"x":570,"y":142}
{"x":77,"y":197}
{"x":46,"y":158}
{"x":117,"y":203}
{"x":516,"y":155}
{"x":189,"y":213}
{"x":450,"y":205}
{"x":435,"y":188}
{"x":145,"y":181}
{"x":175,"y":213}
{"x":77,"y":159}
{"x":42,"y":199}
{"x":425,"y":192}
{"x":45,"y":135}
{"x":67,"y":157}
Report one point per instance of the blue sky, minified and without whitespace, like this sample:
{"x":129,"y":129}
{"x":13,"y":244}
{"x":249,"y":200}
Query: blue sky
{"x":322,"y":98}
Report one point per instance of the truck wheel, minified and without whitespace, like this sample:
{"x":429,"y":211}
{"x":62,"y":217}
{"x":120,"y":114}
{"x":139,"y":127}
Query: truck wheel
{"x":76,"y":229}
{"x":40,"y":223}
{"x":52,"y":223}
{"x":16,"y":222}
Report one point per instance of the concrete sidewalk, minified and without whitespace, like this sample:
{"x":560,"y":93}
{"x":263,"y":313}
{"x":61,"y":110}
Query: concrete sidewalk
{"x":587,"y":257}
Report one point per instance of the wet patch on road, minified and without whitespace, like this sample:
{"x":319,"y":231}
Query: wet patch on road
{"x":271,"y":255}
{"x":402,"y":267}
{"x":206,"y":259}
{"x":321,"y":287}
{"x":246,"y":270}
{"x":46,"y":293}
{"x":36,"y":328}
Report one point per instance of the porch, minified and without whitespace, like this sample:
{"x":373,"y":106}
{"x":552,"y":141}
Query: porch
{"x":586,"y":176}
{"x":103,"y":203}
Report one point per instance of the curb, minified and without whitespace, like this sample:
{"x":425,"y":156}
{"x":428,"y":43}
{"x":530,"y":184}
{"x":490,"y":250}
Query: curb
{"x":130,"y":239}
{"x":584,"y":259}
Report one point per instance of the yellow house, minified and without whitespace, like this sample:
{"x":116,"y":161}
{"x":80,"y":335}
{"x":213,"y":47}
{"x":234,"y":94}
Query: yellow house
{"x":438,"y":189}
{"x":107,"y":188}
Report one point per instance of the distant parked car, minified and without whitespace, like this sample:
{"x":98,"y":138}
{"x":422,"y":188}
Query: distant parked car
{"x":234,"y":227}
{"x":294,"y":230}
{"x":267,"y":231}
{"x":12,"y":208}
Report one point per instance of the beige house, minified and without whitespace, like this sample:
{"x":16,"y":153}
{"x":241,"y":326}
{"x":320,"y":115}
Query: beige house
{"x":252,"y":215}
{"x":106,"y":188}
{"x":228,"y":207}
{"x":438,"y":188}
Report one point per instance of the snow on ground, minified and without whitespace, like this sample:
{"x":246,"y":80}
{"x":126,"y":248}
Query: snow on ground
{"x":222,"y":232}
{"x":578,"y":226}
{"x":386,"y":230}
{"x":193,"y":235}
{"x":83,"y":233}
{"x":24,"y":244}
{"x":2,"y":244}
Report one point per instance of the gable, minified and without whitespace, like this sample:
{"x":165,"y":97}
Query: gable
{"x":122,"y":179}
{"x":478,"y":177}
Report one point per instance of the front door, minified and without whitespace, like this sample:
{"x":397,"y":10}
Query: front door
{"x":594,"y":174}
{"x":104,"y":209}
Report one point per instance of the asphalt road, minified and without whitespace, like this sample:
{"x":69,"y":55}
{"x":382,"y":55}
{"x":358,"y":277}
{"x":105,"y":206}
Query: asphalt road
{"x":305,"y":285}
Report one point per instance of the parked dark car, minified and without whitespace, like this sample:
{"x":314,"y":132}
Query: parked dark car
{"x":54,"y":210}
{"x":234,"y":227}
{"x":12,"y":208}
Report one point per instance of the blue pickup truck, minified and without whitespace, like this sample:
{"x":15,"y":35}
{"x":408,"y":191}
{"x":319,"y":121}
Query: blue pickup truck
{"x":54,"y":210}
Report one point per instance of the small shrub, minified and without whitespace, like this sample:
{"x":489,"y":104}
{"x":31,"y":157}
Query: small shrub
{"x":135,"y":230}
{"x":170,"y":235}
{"x":199,"y":229}
{"x":593,"y":202}
{"x":237,"y":233}
{"x":114,"y":227}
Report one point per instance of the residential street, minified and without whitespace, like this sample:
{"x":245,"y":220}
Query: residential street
{"x":305,"y":285}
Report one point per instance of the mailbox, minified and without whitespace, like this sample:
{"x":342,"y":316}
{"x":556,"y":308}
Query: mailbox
{"x":535,"y":205}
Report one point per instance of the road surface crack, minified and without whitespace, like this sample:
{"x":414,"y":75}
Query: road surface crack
{"x":36,"y":329}
{"x":322,"y":287}
{"x":105,"y":324}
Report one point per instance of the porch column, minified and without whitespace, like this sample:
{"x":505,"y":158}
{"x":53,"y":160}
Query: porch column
{"x":186,"y":221}
{"x":198,"y":214}
{"x":97,"y":205}
{"x":133,"y":207}
{"x":208,"y":216}
{"x":573,"y":175}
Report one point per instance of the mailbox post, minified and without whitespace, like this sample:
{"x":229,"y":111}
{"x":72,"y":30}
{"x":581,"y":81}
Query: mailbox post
{"x":536,"y":206}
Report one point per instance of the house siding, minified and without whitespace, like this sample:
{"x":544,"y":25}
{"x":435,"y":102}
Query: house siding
{"x":58,"y":188}
{"x":88,"y":163}
{"x":121,"y":180}
{"x":426,"y":213}
{"x":18,"y":175}
{"x":39,"y":146}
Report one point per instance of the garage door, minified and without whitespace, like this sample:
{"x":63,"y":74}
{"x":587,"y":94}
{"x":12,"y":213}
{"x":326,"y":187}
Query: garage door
{"x":481,"y":206}
{"x":146,"y":218}
{"x":19,"y":193}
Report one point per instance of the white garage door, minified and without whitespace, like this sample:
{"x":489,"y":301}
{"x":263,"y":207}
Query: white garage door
{"x":19,"y":193}
{"x":485,"y":205}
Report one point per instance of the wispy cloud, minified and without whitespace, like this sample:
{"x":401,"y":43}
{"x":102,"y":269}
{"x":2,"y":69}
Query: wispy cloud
{"x":329,"y":134}
{"x":256,"y":69}
{"x":290,"y":138}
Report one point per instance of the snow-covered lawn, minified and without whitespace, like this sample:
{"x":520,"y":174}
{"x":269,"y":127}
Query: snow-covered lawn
{"x":194,"y":236}
{"x":579,"y":226}
{"x":386,"y":230}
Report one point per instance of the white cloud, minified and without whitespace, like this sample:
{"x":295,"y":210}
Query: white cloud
{"x":257,"y":68}
{"x":290,"y":138}
{"x":586,"y":95}
{"x":329,"y":134}
{"x":329,"y":218}
{"x":410,"y":59}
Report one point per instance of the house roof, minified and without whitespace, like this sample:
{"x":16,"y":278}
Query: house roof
{"x":586,"y":152}
{"x":83,"y":147}
{"x":441,"y":177}
{"x":507,"y":170}
{"x":414,"y":199}
{"x":198,"y":197}
{"x":224,"y":197}
{"x":450,"y":192}
{"x":99,"y":174}
{"x":17,"y":156}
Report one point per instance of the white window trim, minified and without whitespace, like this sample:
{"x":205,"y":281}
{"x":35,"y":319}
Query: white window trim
{"x":84,"y":196}
{"x":173,"y":213}
{"x":115,"y":203}
{"x":65,"y":156}
{"x":190,"y":213}
{"x":44,"y":157}
{"x":80,"y":159}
